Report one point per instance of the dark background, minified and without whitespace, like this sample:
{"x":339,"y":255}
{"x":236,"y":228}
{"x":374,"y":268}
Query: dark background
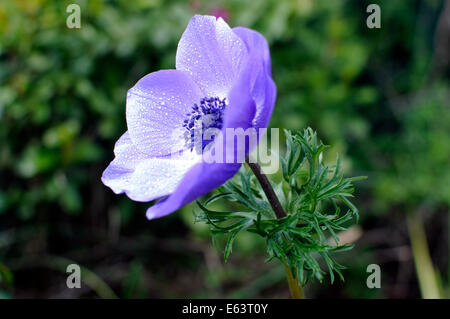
{"x":380,"y":97}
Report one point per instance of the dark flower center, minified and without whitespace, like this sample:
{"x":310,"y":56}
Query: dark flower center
{"x":207,"y":115}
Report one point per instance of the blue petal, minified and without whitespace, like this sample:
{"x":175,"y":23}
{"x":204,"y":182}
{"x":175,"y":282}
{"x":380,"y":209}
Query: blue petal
{"x":262,"y":86}
{"x":142,"y":177}
{"x":156,"y":108}
{"x":212,"y":54}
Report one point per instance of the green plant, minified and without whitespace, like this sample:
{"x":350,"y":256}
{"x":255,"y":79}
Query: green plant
{"x":311,"y":193}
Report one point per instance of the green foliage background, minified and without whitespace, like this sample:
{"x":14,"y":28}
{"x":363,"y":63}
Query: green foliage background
{"x":380,"y":97}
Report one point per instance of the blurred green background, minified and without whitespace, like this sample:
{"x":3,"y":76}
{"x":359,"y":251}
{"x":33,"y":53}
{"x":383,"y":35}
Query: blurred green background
{"x":380,"y":97}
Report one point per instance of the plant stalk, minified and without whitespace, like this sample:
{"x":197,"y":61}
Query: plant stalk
{"x":294,"y":287}
{"x":267,"y":188}
{"x":428,"y":282}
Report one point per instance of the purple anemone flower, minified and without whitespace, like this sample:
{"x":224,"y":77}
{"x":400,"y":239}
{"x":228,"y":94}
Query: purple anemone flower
{"x":222,"y":77}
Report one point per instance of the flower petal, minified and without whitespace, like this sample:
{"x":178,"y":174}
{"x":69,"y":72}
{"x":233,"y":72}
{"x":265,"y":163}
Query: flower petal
{"x":158,"y":177}
{"x":204,"y":177}
{"x":142,"y":177}
{"x":156,"y":108}
{"x":122,"y":143}
{"x":262,"y":86}
{"x":212,"y":54}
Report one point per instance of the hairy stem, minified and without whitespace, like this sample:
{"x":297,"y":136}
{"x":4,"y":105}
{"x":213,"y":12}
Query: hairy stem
{"x":294,"y":287}
{"x":426,"y":275}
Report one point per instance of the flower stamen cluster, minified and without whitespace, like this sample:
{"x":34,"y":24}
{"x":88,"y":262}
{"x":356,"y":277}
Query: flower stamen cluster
{"x":207,"y":115}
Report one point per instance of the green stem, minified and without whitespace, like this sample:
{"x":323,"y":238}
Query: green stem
{"x":426,"y":275}
{"x":294,"y":287}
